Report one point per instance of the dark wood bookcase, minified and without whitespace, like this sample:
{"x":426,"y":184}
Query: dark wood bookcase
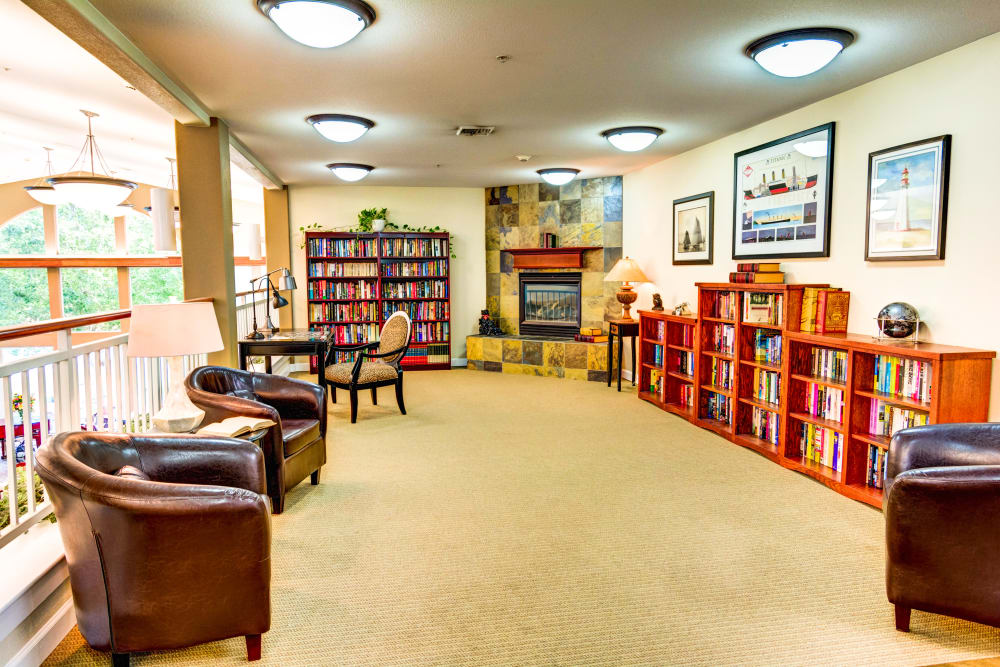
{"x":959,"y":386}
{"x":369,"y":276}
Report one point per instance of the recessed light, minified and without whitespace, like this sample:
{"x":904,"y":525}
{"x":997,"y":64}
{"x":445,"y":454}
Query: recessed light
{"x":350,"y":171}
{"x":340,"y":127}
{"x":558,"y":175}
{"x":321,"y":24}
{"x":633,"y":138}
{"x":800,"y":52}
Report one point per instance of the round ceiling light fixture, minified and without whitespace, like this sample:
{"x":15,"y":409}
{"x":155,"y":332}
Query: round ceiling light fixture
{"x":558,"y":175}
{"x":321,"y":24}
{"x":350,"y":171}
{"x":92,"y":191}
{"x":340,"y":127}
{"x":633,"y":138}
{"x":800,"y":52}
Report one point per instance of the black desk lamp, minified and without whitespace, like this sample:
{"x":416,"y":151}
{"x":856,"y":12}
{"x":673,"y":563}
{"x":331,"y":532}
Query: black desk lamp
{"x":278,"y":301}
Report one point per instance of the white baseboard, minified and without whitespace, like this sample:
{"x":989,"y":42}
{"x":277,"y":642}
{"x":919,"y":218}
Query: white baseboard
{"x":298,"y":368}
{"x":47,"y":638}
{"x":459,"y":363}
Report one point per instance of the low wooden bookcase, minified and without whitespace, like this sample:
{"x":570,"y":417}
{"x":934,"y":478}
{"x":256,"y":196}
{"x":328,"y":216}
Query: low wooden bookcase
{"x":809,"y":402}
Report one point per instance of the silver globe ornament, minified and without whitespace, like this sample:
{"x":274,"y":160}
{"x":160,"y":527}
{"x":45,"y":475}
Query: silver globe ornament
{"x":898,"y":320}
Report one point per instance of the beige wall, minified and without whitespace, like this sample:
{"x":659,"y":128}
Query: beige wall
{"x":956,"y":93}
{"x":458,"y":210}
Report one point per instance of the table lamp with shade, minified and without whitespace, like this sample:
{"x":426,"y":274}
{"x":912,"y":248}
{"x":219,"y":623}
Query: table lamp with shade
{"x":174,"y":330}
{"x":278,"y":301}
{"x":626,"y":271}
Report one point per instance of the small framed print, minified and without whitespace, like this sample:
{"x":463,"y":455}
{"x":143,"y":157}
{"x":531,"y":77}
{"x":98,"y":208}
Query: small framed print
{"x":781,"y":197}
{"x":908,"y":201}
{"x":693,"y":228}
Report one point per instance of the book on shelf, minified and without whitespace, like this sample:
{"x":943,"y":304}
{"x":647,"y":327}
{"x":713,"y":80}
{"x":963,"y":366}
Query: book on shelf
{"x":824,"y":402}
{"x":718,"y":407}
{"x":321,"y":269}
{"x":550,"y":240}
{"x":829,"y":364}
{"x":656,"y":383}
{"x":403,"y":247}
{"x":725,"y":305}
{"x":234,"y":426}
{"x":766,"y":386}
{"x":349,"y":247}
{"x":903,"y":378}
{"x":875,"y":472}
{"x":661,"y":329}
{"x":722,"y":374}
{"x":821,"y":445}
{"x":833,"y":317}
{"x":764,"y":424}
{"x":723,"y":338}
{"x":758,"y":267}
{"x":767,"y":347}
{"x":886,"y":419}
{"x":657,"y":355}
{"x":763,"y":308}
{"x":686,"y":336}
{"x":580,"y":338}
{"x":685,"y":395}
{"x":685,"y":362}
{"x":753,"y":277}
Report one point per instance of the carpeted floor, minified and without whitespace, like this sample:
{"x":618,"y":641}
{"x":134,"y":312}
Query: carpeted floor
{"x":514,"y":520}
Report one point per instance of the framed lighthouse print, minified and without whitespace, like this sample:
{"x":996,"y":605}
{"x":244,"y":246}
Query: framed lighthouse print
{"x":908,"y":201}
{"x":693,"y":229}
{"x":781,"y":197}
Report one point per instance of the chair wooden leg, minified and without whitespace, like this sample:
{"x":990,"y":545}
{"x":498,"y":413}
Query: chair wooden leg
{"x":253,"y":647}
{"x":333,"y":393}
{"x":399,"y":394}
{"x":314,"y":478}
{"x":374,"y":396}
{"x":902,"y":618}
{"x":119,"y":660}
{"x":354,"y":405}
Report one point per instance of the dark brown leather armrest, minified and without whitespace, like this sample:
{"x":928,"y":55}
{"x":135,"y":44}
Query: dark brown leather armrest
{"x":193,"y":459}
{"x":221,"y":406}
{"x":943,"y":445}
{"x":293,"y":399}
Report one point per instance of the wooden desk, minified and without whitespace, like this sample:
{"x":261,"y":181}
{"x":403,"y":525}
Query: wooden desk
{"x":288,"y":342}
{"x":621,"y":329}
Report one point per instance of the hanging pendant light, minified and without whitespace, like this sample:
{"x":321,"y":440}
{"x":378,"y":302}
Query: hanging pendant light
{"x":41,"y":192}
{"x":321,"y":24}
{"x":92,"y":191}
{"x":349,"y":171}
{"x":164,"y":215}
{"x":558,"y":175}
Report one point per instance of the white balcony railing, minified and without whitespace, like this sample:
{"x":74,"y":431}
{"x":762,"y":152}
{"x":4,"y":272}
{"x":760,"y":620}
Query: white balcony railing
{"x":93,"y":387}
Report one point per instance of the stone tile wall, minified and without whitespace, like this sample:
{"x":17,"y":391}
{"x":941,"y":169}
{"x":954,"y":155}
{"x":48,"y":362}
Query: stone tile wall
{"x":584,"y":212}
{"x":547,"y":358}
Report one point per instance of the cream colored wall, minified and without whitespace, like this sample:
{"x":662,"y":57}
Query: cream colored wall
{"x":956,"y":93}
{"x":461,"y":211}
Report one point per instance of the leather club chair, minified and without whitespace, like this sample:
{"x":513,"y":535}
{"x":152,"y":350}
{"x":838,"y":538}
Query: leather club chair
{"x":942,"y":522}
{"x":167,"y":538}
{"x":296,"y":447}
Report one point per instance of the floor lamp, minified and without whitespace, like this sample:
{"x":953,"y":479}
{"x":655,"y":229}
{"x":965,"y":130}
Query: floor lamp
{"x":278,"y":301}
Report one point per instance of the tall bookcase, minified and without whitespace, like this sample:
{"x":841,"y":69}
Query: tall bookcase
{"x":814,"y":403}
{"x":356,"y":281}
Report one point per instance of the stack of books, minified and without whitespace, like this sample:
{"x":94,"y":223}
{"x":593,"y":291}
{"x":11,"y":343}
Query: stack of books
{"x":767,"y":347}
{"x":591,"y":335}
{"x":876,"y":467}
{"x":825,"y":310}
{"x":903,"y":378}
{"x":550,"y":241}
{"x":757,"y":273}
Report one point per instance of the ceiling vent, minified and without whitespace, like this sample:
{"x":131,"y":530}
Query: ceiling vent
{"x":475,"y":130}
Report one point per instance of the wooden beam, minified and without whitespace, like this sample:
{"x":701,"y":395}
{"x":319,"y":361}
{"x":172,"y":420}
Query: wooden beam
{"x":244,"y":158}
{"x":67,"y":261}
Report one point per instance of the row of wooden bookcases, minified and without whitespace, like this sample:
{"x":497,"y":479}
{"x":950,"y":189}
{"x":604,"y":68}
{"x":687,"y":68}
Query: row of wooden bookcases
{"x":959,"y":382}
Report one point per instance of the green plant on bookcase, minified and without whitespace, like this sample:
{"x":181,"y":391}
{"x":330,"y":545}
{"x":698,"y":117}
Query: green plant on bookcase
{"x":364,"y":225}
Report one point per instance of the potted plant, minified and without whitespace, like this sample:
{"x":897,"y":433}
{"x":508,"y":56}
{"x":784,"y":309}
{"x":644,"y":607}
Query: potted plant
{"x":372,"y":219}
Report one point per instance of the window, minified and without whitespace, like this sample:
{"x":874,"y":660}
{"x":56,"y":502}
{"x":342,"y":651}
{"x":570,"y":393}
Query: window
{"x":24,"y":297}
{"x":156,"y":284}
{"x":84,"y":232}
{"x":24,"y":235}
{"x":90,"y":290}
{"x":138,"y":234}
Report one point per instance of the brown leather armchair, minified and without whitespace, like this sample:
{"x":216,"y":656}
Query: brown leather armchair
{"x":942,"y":522}
{"x":296,"y":447}
{"x":169,"y":555}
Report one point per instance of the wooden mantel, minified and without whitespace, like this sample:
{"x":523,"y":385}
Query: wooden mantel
{"x":549,"y":258}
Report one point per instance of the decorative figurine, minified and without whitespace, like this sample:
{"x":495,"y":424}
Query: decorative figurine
{"x":682,"y":309}
{"x":657,"y":303}
{"x":487,"y":327}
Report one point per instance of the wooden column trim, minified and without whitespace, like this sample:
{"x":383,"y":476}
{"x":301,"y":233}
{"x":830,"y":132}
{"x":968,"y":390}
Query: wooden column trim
{"x":277,"y":238}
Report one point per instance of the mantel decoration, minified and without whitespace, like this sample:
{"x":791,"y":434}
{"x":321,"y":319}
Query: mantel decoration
{"x":781,"y":197}
{"x":487,"y":325}
{"x":908,"y":201}
{"x":694,"y":229}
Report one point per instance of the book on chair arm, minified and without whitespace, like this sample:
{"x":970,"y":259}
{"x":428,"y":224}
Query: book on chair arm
{"x":234,"y":426}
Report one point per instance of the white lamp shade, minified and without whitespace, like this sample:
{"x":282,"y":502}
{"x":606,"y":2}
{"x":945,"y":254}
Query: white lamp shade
{"x":44,"y":194}
{"x":321,"y":25}
{"x":173,"y":329}
{"x":164,"y":235}
{"x":626,"y":271}
{"x":92,"y":191}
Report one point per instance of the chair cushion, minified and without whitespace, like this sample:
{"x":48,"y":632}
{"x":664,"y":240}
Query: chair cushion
{"x":297,"y":433}
{"x":371,"y":371}
{"x":131,"y":472}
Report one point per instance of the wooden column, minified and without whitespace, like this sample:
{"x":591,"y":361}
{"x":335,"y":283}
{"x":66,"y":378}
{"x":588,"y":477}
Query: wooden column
{"x":207,"y":225}
{"x":51,"y":248}
{"x":124,"y":285}
{"x":277,"y":239}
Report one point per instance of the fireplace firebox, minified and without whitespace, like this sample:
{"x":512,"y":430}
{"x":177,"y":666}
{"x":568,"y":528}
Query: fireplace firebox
{"x":550,"y":304}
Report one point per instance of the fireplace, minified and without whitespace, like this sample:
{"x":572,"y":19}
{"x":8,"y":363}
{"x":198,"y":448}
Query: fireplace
{"x":549,"y":304}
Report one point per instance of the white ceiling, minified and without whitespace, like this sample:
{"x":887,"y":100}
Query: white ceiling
{"x":577,"y":67}
{"x":46,"y":78}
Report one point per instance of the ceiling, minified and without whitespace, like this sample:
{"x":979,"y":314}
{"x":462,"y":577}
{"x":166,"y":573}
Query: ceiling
{"x":576,"y":67}
{"x":46,"y":78}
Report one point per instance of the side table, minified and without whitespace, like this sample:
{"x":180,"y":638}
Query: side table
{"x":621,"y":329}
{"x":288,"y":342}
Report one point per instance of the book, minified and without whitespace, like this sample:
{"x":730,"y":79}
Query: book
{"x":580,"y":338}
{"x":550,"y":240}
{"x":763,"y":308}
{"x":234,"y":426}
{"x":766,"y":267}
{"x":810,"y":304}
{"x":591,"y":331}
{"x":757,"y":277}
{"x":832,"y":309}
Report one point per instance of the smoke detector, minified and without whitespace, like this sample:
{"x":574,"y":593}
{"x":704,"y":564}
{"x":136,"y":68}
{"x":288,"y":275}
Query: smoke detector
{"x":475,"y":130}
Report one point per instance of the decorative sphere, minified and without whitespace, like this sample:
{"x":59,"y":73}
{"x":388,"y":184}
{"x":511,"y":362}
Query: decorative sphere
{"x":898,"y":320}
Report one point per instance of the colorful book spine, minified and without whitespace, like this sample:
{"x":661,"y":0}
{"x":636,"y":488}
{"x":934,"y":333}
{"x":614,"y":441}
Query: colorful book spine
{"x":687,"y":335}
{"x":724,"y":338}
{"x":685,"y":395}
{"x":420,"y":289}
{"x":725,"y":305}
{"x":417,"y":310}
{"x":829,"y":364}
{"x":418,"y":269}
{"x":438,"y":353}
{"x":358,"y":311}
{"x":821,"y":445}
{"x":340,"y":289}
{"x":886,"y":419}
{"x":767,"y":386}
{"x":824,"y":402}
{"x":427,"y":332}
{"x":685,"y":362}
{"x":763,"y":308}
{"x":767,"y":347}
{"x":718,"y":407}
{"x":903,"y":378}
{"x":354,"y":247}
{"x":414,"y":247}
{"x":763,"y":267}
{"x":657,"y":355}
{"x":722,"y":373}
{"x":764,"y":425}
{"x":661,"y":329}
{"x":875,"y":474}
{"x":656,"y":383}
{"x":320,"y":269}
{"x":352,"y":333}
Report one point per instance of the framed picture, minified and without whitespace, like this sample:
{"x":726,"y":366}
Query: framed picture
{"x":694,"y":229}
{"x":908,"y":201}
{"x":781,"y":197}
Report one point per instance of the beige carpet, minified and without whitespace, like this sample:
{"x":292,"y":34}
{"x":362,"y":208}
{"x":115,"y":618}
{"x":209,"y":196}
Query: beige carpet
{"x":512,"y":520}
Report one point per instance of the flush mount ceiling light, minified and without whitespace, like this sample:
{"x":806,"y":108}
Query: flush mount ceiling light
{"x":349,"y":171}
{"x":340,"y":127}
{"x":42,"y":192}
{"x":92,"y":191}
{"x":558,"y":175}
{"x":631,"y":139}
{"x":321,"y":24}
{"x":799,"y":52}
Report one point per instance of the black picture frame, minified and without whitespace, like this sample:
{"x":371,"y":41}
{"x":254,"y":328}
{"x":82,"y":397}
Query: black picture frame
{"x":709,"y":229}
{"x":822,"y":239}
{"x":937,"y":232}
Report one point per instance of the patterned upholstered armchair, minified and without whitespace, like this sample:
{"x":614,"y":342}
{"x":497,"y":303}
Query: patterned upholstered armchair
{"x":370,"y":369}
